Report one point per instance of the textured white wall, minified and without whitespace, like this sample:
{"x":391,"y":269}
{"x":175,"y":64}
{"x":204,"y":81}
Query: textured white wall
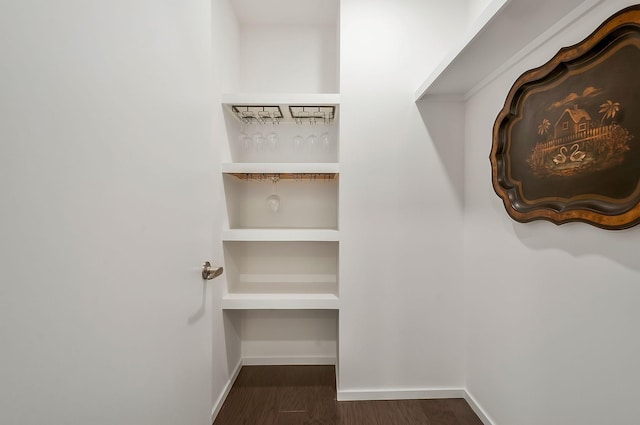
{"x":105,"y":145}
{"x":552,"y":311}
{"x":400,"y":202}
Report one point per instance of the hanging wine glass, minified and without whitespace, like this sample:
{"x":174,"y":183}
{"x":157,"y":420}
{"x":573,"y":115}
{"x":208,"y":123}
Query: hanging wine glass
{"x":312,"y":146}
{"x":258,"y":140}
{"x":272,"y":141}
{"x":312,"y":140}
{"x":324,"y":140}
{"x":297,"y":143}
{"x":273,"y":200}
{"x":242,"y":134}
{"x":244,"y":139}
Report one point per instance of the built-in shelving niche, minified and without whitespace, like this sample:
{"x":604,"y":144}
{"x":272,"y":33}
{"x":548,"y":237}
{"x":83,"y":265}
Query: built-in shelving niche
{"x":285,"y":139}
{"x":308,"y":202}
{"x":276,"y":336}
{"x":282,"y":267}
{"x":284,"y":55}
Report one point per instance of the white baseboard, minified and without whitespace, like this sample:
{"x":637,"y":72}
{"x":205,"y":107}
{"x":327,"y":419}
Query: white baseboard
{"x":223,"y":396}
{"x":415,"y":394}
{"x":400,"y":394}
{"x":479,"y":411}
{"x":283,"y":361}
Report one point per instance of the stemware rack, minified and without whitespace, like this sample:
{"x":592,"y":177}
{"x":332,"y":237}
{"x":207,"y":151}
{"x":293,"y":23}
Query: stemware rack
{"x":312,"y":114}
{"x":260,"y":114}
{"x":273,"y":114}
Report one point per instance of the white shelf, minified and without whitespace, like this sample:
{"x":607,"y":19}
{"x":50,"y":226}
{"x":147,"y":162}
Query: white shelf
{"x":281,"y":235}
{"x":505,"y":32}
{"x":280,"y":302}
{"x":281,"y":98}
{"x":281,"y":167}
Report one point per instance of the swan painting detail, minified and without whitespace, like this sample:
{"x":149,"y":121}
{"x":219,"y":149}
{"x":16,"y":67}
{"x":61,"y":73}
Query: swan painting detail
{"x":561,"y":157}
{"x":576,"y":154}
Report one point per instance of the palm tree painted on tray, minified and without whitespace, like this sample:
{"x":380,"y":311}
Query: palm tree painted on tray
{"x":608,"y":110}
{"x":543,"y":128}
{"x":577,"y":145}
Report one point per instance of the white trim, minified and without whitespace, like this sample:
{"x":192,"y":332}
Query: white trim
{"x":223,"y":396}
{"x":284,"y":361}
{"x":478,"y":410}
{"x":443,"y":98}
{"x":400,"y":394}
{"x":415,"y":394}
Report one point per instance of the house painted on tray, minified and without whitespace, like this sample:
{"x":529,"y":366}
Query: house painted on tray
{"x":572,"y":121}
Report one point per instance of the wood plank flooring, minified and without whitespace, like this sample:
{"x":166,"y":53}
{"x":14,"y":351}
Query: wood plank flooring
{"x":306,"y":395}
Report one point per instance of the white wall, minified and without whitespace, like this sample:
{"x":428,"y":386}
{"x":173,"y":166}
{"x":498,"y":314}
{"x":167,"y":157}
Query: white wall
{"x":288,"y":58}
{"x":225,"y":35}
{"x":105,"y":144}
{"x":288,"y":46}
{"x":225,"y":337}
{"x":475,"y":9}
{"x":400,"y":203}
{"x":552,"y":311}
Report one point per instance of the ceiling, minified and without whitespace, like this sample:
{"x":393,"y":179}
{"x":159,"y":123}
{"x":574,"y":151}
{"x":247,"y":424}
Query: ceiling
{"x":287,"y":12}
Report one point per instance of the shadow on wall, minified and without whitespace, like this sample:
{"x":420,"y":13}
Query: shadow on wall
{"x":199,"y":314}
{"x":444,"y":121}
{"x":581,"y":240}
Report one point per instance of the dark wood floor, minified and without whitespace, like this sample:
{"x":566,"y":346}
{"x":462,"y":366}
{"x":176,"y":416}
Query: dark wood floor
{"x":306,"y":395}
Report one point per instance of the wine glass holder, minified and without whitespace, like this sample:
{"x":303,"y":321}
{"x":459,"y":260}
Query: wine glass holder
{"x":272,"y":114}
{"x":312,"y":114}
{"x":258,"y":114}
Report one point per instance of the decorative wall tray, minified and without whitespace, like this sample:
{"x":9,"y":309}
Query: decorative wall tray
{"x":566,"y":145}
